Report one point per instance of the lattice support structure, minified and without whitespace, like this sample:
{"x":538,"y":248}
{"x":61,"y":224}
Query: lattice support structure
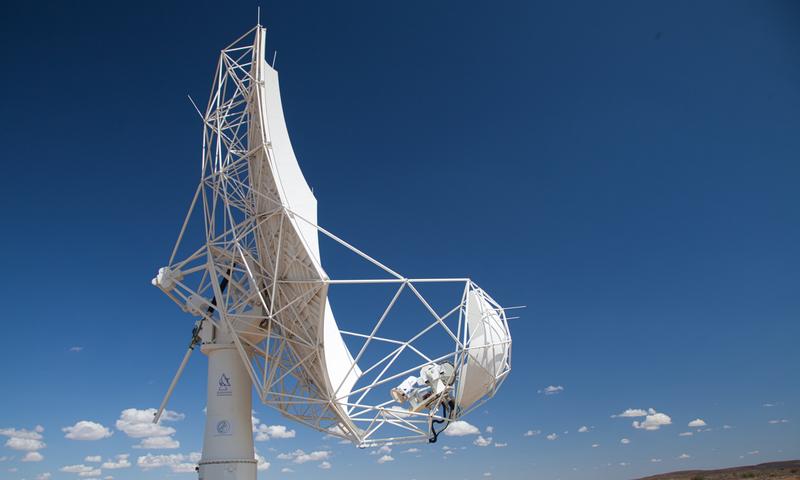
{"x":258,"y":279}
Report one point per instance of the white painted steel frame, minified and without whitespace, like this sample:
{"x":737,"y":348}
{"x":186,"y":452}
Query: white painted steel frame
{"x":253,"y":236}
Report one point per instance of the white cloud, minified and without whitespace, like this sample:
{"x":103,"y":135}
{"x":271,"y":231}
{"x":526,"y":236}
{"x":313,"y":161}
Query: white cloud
{"x":169,"y":416}
{"x":93,"y":459}
{"x":86,"y":430}
{"x":265,"y":432}
{"x":325,"y":465}
{"x":684,"y":456}
{"x":35,"y":434}
{"x":630,"y":413}
{"x":552,"y":389}
{"x":531,"y":433}
{"x":187,"y":467}
{"x":482,"y":442}
{"x":79,"y":469}
{"x":44,"y":476}
{"x":655,"y":460}
{"x":286,"y":470}
{"x":726,"y":427}
{"x":384,"y":449}
{"x":137,"y":423}
{"x":685,"y":434}
{"x":768,"y":405}
{"x":697,"y":422}
{"x":75,"y":349}
{"x":489,"y":429}
{"x":411,"y":450}
{"x":595,"y":445}
{"x":262,"y":463}
{"x":156,"y":443}
{"x":500,"y":445}
{"x":25,"y":440}
{"x":177,"y":462}
{"x":653,"y":421}
{"x":583,"y":429}
{"x":782,"y":420}
{"x":26,"y":444}
{"x":299,"y":456}
{"x":754,"y":452}
{"x":460,"y":428}
{"x":121,"y":461}
{"x":33,"y":457}
{"x":552,"y":436}
{"x":385,"y":458}
{"x":624,"y":441}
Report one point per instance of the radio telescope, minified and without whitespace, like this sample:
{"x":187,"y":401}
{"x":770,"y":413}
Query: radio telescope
{"x":264,"y":302}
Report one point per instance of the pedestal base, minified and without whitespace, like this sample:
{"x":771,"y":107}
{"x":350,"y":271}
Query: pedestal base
{"x":228,"y":452}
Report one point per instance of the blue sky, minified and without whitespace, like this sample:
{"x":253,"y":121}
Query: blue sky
{"x":637,"y":160}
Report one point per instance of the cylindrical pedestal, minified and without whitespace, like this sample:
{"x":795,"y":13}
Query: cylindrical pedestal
{"x":228,"y":452}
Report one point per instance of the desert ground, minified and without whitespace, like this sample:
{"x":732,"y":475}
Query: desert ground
{"x":789,"y":470}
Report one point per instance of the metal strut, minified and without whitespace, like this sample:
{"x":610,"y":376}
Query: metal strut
{"x":195,"y":340}
{"x":198,"y":326}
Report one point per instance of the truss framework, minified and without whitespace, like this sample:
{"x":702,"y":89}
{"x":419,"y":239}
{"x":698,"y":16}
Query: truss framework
{"x":259,"y":276}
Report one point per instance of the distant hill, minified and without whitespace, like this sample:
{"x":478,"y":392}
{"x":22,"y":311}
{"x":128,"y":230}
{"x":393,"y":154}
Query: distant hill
{"x":789,"y":470}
